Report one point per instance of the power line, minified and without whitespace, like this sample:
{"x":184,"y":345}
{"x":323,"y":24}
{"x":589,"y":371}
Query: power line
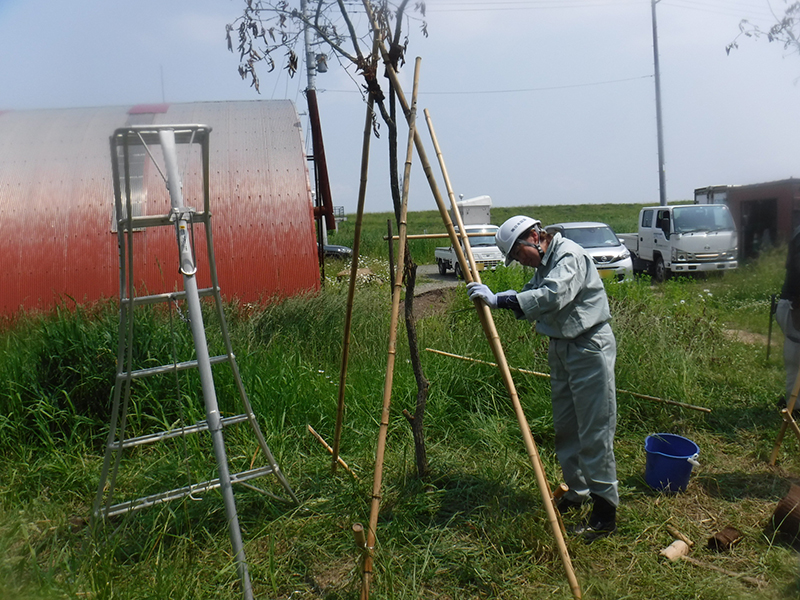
{"x":724,"y":8}
{"x":459,"y":5}
{"x":513,"y":91}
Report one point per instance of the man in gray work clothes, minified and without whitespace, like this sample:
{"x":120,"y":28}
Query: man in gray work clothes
{"x":568,"y":302}
{"x":788,"y":316}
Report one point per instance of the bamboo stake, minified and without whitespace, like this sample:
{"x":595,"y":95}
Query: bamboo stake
{"x":351,"y":290}
{"x":432,"y":236}
{"x":490,"y":330}
{"x":787,"y":412}
{"x":387,"y":387}
{"x":527,"y":372}
{"x":330,"y":450}
{"x":754,"y":581}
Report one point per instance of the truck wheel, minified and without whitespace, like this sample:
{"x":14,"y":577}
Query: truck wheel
{"x":659,"y":270}
{"x":457,"y":269}
{"x":442,"y":266}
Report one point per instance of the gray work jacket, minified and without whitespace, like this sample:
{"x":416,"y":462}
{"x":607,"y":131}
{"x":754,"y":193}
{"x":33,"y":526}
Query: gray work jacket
{"x":566,"y":296}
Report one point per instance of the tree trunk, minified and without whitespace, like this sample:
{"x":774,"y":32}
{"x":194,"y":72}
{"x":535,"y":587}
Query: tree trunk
{"x":416,"y":420}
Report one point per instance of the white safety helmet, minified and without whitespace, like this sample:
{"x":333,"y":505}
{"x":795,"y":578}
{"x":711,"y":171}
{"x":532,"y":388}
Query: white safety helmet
{"x":510,"y":231}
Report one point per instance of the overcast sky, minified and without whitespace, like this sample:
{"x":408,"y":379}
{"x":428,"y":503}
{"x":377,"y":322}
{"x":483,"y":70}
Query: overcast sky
{"x":533,"y":101}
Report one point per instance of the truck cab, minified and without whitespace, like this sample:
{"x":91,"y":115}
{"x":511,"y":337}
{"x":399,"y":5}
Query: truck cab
{"x":684,"y":239}
{"x":484,"y":250}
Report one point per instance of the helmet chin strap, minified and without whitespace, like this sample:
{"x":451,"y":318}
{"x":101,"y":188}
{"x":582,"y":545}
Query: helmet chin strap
{"x":537,"y":247}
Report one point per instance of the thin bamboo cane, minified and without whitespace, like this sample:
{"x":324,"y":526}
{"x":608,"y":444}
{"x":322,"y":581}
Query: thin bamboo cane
{"x":527,"y":372}
{"x":351,"y":290}
{"x":789,"y":409}
{"x":392,"y":353}
{"x":327,"y":447}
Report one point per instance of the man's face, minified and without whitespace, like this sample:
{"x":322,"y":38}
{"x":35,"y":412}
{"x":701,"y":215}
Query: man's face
{"x":526,"y":254}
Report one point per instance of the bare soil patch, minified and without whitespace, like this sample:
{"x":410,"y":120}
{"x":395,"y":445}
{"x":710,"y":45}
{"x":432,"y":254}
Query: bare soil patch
{"x":747,"y":337}
{"x":433,"y":302}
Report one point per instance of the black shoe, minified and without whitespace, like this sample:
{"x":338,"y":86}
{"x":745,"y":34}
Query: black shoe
{"x":594,"y":530}
{"x":565,"y":505}
{"x":601,"y":523}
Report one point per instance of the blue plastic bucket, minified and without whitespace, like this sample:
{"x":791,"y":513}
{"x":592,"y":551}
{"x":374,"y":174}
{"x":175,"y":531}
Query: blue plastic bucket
{"x":670,"y":459}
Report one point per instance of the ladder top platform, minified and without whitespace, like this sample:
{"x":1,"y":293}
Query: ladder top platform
{"x":184,"y":134}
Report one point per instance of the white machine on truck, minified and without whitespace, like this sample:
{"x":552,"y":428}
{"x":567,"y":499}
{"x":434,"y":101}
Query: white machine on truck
{"x":683,"y":239}
{"x":484,"y":250}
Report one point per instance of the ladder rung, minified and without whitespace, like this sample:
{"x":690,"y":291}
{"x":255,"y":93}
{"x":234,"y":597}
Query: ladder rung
{"x":145,"y":221}
{"x":171,"y":433}
{"x":165,"y":297}
{"x":181,"y":366}
{"x":197,"y":488}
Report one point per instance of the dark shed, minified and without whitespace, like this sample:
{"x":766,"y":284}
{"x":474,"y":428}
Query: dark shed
{"x":765,"y":213}
{"x":57,"y":236}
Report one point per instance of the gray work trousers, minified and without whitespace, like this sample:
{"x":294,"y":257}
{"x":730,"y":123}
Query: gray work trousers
{"x":791,"y":347}
{"x":585,"y":412}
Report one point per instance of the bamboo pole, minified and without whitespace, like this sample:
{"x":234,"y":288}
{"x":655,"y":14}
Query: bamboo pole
{"x":528,"y":372}
{"x":351,"y":290}
{"x":392,"y":353}
{"x":488,"y":323}
{"x":433,"y":236}
{"x":327,"y":447}
{"x":468,"y":250}
{"x":787,"y":412}
{"x":485,"y":316}
{"x":490,"y":330}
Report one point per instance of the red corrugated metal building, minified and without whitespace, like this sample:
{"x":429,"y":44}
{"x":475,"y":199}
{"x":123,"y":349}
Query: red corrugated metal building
{"x":57,"y":237}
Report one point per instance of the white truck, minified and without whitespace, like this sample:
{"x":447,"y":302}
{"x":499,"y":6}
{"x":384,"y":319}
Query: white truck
{"x":484,"y":250}
{"x":683,"y":239}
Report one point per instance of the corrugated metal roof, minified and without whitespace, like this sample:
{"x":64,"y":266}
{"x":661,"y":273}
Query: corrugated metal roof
{"x":56,"y":204}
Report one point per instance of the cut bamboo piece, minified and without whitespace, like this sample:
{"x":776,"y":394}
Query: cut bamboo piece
{"x":392,"y":352}
{"x":527,"y":372}
{"x":677,"y":549}
{"x":678,"y":535}
{"x":358,"y":536}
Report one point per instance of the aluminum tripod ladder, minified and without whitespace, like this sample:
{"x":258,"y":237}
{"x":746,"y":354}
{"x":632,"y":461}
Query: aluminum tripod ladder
{"x":132,"y":143}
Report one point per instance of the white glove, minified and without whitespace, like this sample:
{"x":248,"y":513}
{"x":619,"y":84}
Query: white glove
{"x":478,"y":290}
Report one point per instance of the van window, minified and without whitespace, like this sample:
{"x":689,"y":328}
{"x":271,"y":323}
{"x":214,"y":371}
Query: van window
{"x":647,"y":218}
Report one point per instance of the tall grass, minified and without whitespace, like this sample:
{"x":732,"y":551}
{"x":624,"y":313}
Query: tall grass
{"x":474,"y":529}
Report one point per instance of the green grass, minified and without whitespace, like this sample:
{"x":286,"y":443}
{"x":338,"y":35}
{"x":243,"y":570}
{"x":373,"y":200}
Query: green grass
{"x":475,"y":528}
{"x":621,"y":217}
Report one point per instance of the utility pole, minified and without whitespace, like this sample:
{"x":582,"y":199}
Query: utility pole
{"x":662,"y":183}
{"x":323,"y":211}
